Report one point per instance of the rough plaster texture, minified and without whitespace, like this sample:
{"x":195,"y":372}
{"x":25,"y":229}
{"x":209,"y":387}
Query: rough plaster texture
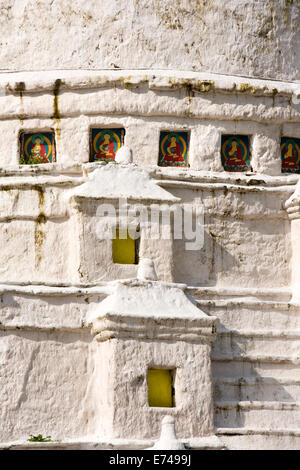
{"x":233,"y":37}
{"x":207,"y":105}
{"x":255,"y":358}
{"x":142,"y":325}
{"x":36,"y":394}
{"x":131,"y":360}
{"x":56,"y":275}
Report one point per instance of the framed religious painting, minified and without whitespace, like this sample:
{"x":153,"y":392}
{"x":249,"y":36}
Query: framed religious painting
{"x":290,"y":155}
{"x":104,"y":144}
{"x":173,"y":148}
{"x":235,"y":153}
{"x":37,"y":148}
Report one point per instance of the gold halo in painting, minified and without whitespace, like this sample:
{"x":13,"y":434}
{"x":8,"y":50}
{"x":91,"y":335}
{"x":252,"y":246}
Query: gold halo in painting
{"x":97,"y":136}
{"x":30,"y":139}
{"x":167,"y":137}
{"x":297,"y":147}
{"x":239,"y":142}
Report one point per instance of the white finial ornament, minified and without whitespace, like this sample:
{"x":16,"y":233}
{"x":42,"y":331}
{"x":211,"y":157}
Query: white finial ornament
{"x":146,"y":270}
{"x":124,"y":155}
{"x":168,"y":439}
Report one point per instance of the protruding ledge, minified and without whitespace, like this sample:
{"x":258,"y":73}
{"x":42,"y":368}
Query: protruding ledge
{"x":198,"y":82}
{"x":148,"y":310}
{"x":114,"y":181}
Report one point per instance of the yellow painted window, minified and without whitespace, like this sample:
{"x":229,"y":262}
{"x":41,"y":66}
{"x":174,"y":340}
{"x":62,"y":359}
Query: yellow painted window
{"x":124,"y":249}
{"x":160,"y":391}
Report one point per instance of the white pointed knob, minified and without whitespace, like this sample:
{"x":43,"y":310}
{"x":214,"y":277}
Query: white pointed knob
{"x":168,"y":439}
{"x":146,"y":270}
{"x":124,"y":155}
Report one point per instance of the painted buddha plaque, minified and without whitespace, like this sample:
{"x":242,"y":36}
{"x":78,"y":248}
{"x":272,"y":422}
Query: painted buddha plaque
{"x":105,"y":143}
{"x":290,"y":155}
{"x":37,"y":148}
{"x":235,"y":152}
{"x":173,"y":149}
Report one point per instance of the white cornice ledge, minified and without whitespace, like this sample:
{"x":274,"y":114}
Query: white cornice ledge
{"x":116,"y":325}
{"x":207,"y":442}
{"x":197,"y":82}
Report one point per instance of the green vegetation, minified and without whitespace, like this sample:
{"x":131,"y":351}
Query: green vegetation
{"x":33,"y":160}
{"x":39,"y":438}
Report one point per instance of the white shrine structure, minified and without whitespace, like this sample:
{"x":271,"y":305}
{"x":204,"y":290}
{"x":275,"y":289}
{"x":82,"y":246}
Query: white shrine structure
{"x":104,"y":342}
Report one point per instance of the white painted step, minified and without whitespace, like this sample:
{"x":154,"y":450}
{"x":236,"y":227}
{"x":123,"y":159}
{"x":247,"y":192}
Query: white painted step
{"x":258,"y":316}
{"x":271,"y":342}
{"x":257,"y":414}
{"x":242,"y":365}
{"x":256,"y":389}
{"x":259,"y":439}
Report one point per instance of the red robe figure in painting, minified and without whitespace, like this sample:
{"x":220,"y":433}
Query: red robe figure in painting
{"x":290,"y":159}
{"x":107,"y":148}
{"x":38,"y":151}
{"x":235,"y":156}
{"x":173,"y":151}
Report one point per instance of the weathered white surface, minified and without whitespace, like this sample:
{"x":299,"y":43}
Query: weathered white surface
{"x":206,"y":105}
{"x":124,"y":155}
{"x":55,"y":270}
{"x":37,"y":396}
{"x":238,"y":376}
{"x":146,"y":270}
{"x":236,"y":208}
{"x":143,"y":103}
{"x":116,"y":182}
{"x":243,"y":37}
{"x":122,"y":407}
{"x":252,"y":439}
{"x":234,"y":277}
{"x":23,"y":82}
{"x":292,"y":205}
{"x":142,"y":325}
{"x":168,"y":439}
{"x":204,"y":443}
{"x":149,"y":299}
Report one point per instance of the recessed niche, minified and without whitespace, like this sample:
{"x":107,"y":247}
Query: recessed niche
{"x":125,"y":249}
{"x":173,"y":148}
{"x":235,"y":152}
{"x":290,"y":155}
{"x":37,"y":148}
{"x":160,"y":388}
{"x":104,"y":144}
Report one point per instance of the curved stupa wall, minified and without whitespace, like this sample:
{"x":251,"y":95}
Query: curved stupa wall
{"x":240,"y":37}
{"x":72,"y":69}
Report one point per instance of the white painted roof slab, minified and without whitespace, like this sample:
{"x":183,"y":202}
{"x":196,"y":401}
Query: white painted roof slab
{"x":151,"y":299}
{"x":114,"y":181}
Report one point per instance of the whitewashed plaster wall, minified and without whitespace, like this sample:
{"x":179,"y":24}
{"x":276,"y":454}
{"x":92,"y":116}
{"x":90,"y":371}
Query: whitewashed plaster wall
{"x":243,"y":220}
{"x":37,"y":395}
{"x":243,"y":274}
{"x":206,"y":105}
{"x":252,"y":38}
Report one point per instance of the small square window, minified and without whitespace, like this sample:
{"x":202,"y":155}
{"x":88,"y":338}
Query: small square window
{"x":235,"y":152}
{"x":160,"y":388}
{"x":37,"y":148}
{"x":290,"y":155}
{"x":125,"y":248}
{"x":173,"y":148}
{"x":104,"y":144}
